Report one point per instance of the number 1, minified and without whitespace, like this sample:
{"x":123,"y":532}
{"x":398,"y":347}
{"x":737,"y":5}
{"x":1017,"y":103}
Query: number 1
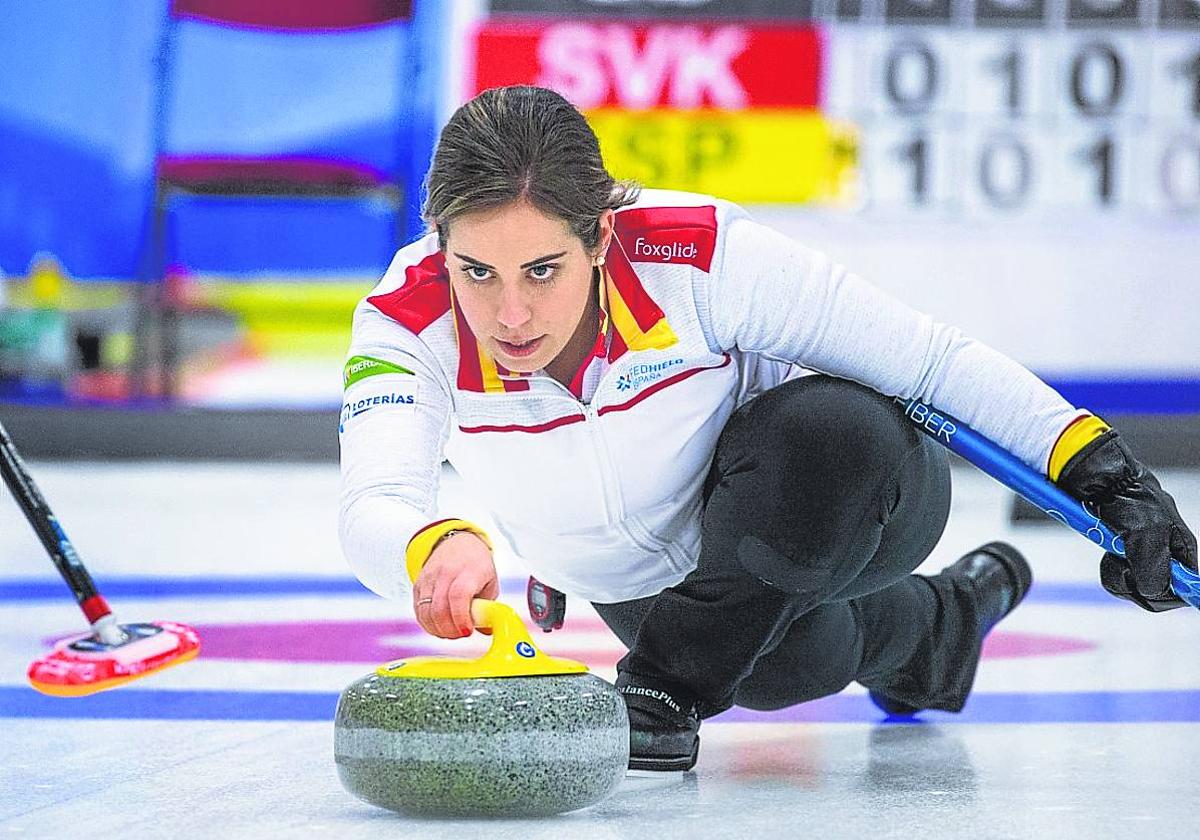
{"x":1189,"y":69}
{"x":1009,"y":67}
{"x":1101,"y":155}
{"x":916,"y":153}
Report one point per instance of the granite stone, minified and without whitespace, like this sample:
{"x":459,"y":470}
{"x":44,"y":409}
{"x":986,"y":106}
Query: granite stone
{"x":502,"y":746}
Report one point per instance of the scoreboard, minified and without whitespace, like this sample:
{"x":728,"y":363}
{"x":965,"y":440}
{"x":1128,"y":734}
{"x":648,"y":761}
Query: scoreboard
{"x":945,"y":107}
{"x":1087,"y":105}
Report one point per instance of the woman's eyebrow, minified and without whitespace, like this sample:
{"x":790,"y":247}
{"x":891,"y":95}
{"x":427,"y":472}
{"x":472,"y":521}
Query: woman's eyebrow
{"x":532,"y":263}
{"x":529,"y":264}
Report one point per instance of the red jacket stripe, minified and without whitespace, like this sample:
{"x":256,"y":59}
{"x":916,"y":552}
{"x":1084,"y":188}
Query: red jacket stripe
{"x":618,"y":348}
{"x":539,"y":428}
{"x":470,"y":374}
{"x":673,"y":235}
{"x":626,"y":283}
{"x":511,"y":385}
{"x":424,"y":297}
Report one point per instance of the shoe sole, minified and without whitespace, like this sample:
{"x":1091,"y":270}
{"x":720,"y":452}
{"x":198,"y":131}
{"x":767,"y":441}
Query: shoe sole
{"x":663,"y":765}
{"x":894,"y":709}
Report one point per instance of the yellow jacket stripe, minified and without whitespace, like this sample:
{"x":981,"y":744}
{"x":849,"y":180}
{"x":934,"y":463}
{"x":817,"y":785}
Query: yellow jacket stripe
{"x":1077,"y":435}
{"x":424,"y":541}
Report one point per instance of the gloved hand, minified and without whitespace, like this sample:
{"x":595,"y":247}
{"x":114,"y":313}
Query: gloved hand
{"x":1128,"y":498}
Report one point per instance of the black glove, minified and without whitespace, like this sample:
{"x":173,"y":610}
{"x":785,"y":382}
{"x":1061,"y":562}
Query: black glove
{"x":1129,"y":499}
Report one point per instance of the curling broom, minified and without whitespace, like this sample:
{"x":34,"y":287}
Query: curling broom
{"x":1034,"y":487}
{"x":111,"y":654}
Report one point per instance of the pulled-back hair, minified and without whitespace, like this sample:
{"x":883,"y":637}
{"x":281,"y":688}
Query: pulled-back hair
{"x":522,"y":142}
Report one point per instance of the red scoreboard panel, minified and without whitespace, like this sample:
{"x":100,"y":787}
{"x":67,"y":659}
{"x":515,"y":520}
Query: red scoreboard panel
{"x":652,"y":65}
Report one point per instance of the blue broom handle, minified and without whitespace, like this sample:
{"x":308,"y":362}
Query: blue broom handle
{"x":1033,"y":487}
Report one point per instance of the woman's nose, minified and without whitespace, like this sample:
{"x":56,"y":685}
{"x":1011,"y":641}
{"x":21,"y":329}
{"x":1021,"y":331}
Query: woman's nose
{"x":513,"y":310}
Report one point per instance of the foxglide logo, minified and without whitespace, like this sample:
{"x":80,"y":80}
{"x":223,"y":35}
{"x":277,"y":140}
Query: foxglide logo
{"x":639,"y":375}
{"x":665,"y":252}
{"x":353,"y":409}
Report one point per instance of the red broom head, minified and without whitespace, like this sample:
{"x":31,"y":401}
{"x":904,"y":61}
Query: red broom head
{"x":83,"y":664}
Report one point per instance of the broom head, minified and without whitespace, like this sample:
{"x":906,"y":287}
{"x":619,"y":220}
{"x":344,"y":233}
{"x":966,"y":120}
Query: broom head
{"x":83,"y":664}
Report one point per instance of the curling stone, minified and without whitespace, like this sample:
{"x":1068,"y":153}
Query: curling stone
{"x":513,"y":733}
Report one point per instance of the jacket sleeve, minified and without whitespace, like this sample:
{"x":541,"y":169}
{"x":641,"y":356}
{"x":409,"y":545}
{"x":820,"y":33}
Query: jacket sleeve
{"x":769,"y":294}
{"x":393,"y":428}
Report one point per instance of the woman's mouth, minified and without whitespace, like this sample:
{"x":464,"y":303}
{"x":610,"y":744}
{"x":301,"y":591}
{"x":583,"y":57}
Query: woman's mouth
{"x":525,"y":348}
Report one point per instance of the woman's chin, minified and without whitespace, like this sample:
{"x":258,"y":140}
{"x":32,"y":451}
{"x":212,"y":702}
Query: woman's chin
{"x":521,"y":365}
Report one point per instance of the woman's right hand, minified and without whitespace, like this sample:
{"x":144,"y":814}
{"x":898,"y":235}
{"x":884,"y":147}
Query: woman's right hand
{"x":459,"y":570}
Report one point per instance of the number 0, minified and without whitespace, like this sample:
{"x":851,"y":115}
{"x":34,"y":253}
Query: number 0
{"x":1091,"y":102}
{"x":912,"y":76}
{"x":1009,"y":192}
{"x":1180,"y":173}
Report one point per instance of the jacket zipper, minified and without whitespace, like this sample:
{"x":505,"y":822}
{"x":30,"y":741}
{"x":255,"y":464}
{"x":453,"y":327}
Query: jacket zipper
{"x":610,"y":487}
{"x":609,"y":483}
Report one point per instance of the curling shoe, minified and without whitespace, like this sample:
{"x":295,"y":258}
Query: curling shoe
{"x":999,"y":576}
{"x":663,"y":728}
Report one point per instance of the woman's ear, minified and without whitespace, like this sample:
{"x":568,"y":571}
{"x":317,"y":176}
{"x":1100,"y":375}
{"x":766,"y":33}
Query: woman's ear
{"x":607,"y":222}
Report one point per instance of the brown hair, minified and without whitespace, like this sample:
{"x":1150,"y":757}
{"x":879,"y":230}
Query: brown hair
{"x":522,"y":142}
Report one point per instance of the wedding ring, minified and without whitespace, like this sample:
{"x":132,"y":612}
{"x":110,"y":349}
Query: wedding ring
{"x":424,"y":601}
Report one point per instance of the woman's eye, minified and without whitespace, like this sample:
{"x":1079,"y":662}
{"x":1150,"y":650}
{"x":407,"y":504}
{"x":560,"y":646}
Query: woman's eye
{"x":543,"y":272}
{"x":477,"y":274}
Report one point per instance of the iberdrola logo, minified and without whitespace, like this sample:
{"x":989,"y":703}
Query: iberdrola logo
{"x":359,"y":368}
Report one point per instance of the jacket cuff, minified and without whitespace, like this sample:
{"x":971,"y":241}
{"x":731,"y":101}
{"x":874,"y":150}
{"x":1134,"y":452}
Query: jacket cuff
{"x":1079,"y":433}
{"x":424,"y":541}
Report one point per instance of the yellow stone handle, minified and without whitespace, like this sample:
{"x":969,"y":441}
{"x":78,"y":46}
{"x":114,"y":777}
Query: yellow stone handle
{"x":512,"y":654}
{"x":500,"y":618}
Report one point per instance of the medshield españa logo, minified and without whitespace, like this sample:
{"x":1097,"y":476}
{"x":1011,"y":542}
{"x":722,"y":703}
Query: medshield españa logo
{"x":639,"y":375}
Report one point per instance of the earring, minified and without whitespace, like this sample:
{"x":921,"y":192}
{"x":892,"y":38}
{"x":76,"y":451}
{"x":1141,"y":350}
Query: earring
{"x":599,"y":261}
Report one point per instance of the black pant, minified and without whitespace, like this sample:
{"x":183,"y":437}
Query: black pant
{"x":821,"y":500}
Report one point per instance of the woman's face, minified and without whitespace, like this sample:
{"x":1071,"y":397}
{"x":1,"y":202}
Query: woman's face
{"x":522,"y":279}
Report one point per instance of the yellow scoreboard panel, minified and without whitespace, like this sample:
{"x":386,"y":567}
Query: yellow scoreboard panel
{"x":760,"y":156}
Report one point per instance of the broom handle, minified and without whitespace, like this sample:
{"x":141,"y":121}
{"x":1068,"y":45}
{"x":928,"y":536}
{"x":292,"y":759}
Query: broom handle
{"x":1036,"y":488}
{"x":49,"y":532}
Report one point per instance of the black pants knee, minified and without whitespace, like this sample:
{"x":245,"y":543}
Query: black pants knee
{"x":821,"y":500}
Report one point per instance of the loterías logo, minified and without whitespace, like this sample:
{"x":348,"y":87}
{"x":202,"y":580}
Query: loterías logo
{"x":359,"y":407}
{"x":665,"y":251}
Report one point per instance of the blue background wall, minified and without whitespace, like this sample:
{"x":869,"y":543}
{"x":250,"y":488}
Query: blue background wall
{"x":77,"y":133}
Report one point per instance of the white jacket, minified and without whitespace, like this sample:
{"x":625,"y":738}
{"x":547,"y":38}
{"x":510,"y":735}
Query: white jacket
{"x":602,"y":498}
